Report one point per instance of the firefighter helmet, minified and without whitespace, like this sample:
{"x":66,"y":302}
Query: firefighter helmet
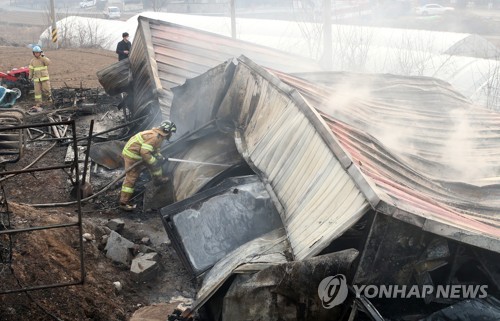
{"x":37,"y":49}
{"x":168,"y":126}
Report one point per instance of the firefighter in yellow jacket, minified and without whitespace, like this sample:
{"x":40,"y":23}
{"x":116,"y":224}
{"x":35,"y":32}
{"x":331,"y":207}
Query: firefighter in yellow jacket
{"x":39,"y":73}
{"x":144,"y":146}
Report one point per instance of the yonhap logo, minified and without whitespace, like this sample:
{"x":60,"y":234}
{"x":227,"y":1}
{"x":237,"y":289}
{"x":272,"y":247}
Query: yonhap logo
{"x":333,"y":291}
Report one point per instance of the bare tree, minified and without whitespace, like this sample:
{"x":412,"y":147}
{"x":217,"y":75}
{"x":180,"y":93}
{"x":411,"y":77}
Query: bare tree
{"x":157,"y":5}
{"x":488,"y":85}
{"x":78,"y":32}
{"x":308,"y":17}
{"x":351,"y":47}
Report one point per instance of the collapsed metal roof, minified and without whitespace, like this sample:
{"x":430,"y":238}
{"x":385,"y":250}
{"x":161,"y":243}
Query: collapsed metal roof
{"x":411,"y":179}
{"x":324,"y":170}
{"x":284,"y":142}
{"x":430,"y":156}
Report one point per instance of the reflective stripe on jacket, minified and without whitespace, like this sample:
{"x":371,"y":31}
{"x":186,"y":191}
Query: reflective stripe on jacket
{"x":38,"y":69}
{"x":144,"y":145}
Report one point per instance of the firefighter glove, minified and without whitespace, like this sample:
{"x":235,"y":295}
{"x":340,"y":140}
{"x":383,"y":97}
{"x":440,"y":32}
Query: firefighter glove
{"x":161,"y":159}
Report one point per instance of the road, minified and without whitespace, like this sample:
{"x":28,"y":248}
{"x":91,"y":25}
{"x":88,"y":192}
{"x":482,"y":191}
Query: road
{"x":21,"y":25}
{"x":16,"y":15}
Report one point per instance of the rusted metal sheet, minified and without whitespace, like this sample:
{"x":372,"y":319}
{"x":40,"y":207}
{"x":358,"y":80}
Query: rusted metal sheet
{"x":400,"y":133}
{"x":334,"y":178}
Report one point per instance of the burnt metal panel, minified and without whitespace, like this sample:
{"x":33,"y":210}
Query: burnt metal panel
{"x":211,"y":224}
{"x":188,"y":178}
{"x":266,"y":250}
{"x":288,"y":290}
{"x":282,"y":139}
{"x":196,"y":102}
{"x":108,"y":154}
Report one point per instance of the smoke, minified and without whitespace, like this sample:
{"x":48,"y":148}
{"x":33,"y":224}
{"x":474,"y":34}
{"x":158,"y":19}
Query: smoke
{"x":344,"y":96}
{"x":453,"y":145}
{"x":460,"y":151}
{"x":356,"y":104}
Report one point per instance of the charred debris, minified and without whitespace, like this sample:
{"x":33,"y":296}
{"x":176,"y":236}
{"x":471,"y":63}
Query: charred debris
{"x":317,"y":214}
{"x":318,"y":217}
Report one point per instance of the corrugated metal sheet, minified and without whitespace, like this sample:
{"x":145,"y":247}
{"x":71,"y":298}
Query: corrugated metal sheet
{"x":183,"y":52}
{"x":398,"y":132}
{"x":146,"y":85}
{"x":283,"y":139}
{"x":164,"y":55}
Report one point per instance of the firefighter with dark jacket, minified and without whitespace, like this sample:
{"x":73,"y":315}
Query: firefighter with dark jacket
{"x":144,"y":146}
{"x":39,"y":74}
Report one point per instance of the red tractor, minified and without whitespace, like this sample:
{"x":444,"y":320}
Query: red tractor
{"x":17,"y":78}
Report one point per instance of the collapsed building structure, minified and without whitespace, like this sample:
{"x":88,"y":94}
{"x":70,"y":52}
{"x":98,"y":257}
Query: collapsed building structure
{"x":385,"y":179}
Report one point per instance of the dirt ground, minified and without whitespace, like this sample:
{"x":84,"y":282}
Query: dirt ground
{"x":52,"y":256}
{"x":69,"y":67}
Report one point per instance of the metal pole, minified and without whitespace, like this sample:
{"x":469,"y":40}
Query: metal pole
{"x":233,"y":18}
{"x":53,"y":20}
{"x":195,"y":162}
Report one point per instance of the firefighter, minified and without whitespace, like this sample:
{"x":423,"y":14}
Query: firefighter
{"x":144,"y":146}
{"x":39,"y":74}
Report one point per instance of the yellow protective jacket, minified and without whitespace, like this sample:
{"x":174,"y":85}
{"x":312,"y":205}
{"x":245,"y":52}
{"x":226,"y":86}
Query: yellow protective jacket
{"x":39,"y":68}
{"x":144,"y":146}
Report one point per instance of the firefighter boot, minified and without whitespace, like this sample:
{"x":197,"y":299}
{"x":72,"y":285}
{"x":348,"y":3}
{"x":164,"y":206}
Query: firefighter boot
{"x":128,"y":207}
{"x":125,"y":202}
